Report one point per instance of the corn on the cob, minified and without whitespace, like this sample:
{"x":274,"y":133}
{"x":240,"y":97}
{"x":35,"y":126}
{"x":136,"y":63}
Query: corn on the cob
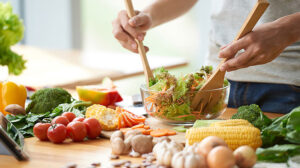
{"x":107,"y":117}
{"x":234,"y":136}
{"x":233,"y":122}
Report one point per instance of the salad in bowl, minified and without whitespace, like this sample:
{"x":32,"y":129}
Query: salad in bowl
{"x":169,"y":98}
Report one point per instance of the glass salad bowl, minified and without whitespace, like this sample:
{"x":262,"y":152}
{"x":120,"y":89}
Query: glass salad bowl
{"x":175,"y":108}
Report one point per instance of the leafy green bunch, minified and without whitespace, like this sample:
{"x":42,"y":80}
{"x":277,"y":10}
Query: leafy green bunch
{"x":11,"y":32}
{"x":25,"y":123}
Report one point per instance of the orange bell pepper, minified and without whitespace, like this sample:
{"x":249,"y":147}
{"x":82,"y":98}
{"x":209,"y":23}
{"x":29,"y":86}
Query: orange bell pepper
{"x":11,"y":93}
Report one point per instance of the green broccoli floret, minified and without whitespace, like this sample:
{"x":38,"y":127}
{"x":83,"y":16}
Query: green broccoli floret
{"x":45,"y":100}
{"x":254,"y":115}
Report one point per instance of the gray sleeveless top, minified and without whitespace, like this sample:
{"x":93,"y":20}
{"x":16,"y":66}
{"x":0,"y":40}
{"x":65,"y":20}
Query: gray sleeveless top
{"x":227,"y":18}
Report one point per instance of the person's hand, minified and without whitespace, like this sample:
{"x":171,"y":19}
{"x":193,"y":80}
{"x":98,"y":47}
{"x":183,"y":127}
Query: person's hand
{"x":125,"y":30}
{"x":261,"y":46}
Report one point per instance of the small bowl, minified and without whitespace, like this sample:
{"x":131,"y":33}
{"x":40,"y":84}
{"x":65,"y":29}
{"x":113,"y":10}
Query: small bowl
{"x":161,"y":105}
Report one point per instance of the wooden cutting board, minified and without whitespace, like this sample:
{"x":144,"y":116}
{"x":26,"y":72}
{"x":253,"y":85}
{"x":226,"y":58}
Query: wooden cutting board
{"x":154,"y":123}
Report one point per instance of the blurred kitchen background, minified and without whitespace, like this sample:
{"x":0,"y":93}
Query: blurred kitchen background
{"x":85,"y":25}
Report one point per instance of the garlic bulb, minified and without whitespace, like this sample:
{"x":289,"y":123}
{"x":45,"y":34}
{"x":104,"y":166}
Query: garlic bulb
{"x":188,"y":158}
{"x":164,"y":151}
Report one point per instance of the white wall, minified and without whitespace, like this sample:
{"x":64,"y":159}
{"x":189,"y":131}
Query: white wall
{"x":48,"y":23}
{"x":52,"y":24}
{"x":203,"y":11}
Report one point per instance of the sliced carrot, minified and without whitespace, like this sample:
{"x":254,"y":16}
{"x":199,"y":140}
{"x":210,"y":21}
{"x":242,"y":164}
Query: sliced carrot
{"x":147,"y":131}
{"x":119,"y":122}
{"x":147,"y":127}
{"x":139,"y":118}
{"x":125,"y":130}
{"x":131,"y":118}
{"x":138,"y":126}
{"x":126,"y":120}
{"x":159,"y":133}
{"x":136,"y":117}
{"x":123,"y":124}
{"x":170,"y":132}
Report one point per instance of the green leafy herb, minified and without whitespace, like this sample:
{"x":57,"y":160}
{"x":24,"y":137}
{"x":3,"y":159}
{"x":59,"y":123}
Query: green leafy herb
{"x":278,"y":153}
{"x":11,"y":32}
{"x":25,"y":123}
{"x":284,"y":129}
{"x":254,"y":115}
{"x":77,"y":107}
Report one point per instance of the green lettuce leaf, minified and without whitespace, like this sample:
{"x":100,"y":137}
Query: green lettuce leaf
{"x":11,"y":32}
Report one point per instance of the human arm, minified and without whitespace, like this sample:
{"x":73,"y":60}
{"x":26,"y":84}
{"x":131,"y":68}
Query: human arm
{"x":125,"y":30}
{"x":263,"y":44}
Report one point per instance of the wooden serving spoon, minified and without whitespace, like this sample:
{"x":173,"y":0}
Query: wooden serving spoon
{"x":141,"y":49}
{"x":204,"y":100}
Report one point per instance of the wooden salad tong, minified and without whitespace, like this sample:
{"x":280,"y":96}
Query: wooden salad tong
{"x":147,"y":71}
{"x":204,"y":100}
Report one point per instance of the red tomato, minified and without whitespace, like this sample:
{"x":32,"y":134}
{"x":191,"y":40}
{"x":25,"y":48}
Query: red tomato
{"x":40,"y":130}
{"x":57,"y":133}
{"x":93,"y":127}
{"x":69,"y":115}
{"x":76,"y":131}
{"x":60,"y":120}
{"x":80,"y":119}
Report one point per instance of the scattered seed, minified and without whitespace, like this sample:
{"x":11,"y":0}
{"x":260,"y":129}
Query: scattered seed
{"x":135,"y":166}
{"x":144,"y":156}
{"x":71,"y":165}
{"x":113,"y":157}
{"x":161,"y":166}
{"x":96,"y":164}
{"x":150,"y":154}
{"x":152,"y":166}
{"x":146,"y":164}
{"x":119,"y":163}
{"x":134,"y":154}
{"x":150,"y":158}
{"x":127,"y":165}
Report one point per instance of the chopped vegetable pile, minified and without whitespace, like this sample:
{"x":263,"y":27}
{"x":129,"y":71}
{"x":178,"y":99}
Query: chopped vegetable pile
{"x":11,"y":32}
{"x":170,"y":97}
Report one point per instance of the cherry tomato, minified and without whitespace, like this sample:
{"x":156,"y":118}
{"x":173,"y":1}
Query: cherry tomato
{"x":60,"y":120}
{"x":57,"y":133}
{"x":40,"y":131}
{"x":69,"y":115}
{"x":80,"y":119}
{"x":76,"y":131}
{"x":93,"y":127}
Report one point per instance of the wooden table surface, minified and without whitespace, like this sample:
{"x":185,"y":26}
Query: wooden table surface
{"x":48,"y":155}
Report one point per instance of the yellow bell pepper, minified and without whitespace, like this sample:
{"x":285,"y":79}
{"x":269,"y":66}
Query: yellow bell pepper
{"x":11,"y":93}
